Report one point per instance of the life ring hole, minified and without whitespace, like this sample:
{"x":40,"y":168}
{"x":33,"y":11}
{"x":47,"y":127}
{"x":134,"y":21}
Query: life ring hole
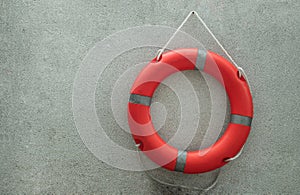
{"x":209,"y":127}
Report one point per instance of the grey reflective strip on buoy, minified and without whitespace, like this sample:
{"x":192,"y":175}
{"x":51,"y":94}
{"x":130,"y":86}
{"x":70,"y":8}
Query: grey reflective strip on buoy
{"x":201,"y":59}
{"x":140,"y":99}
{"x":180,"y":162}
{"x":239,"y":119}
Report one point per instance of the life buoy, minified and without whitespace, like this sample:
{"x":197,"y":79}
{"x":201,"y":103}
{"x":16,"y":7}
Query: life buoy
{"x":154,"y":147}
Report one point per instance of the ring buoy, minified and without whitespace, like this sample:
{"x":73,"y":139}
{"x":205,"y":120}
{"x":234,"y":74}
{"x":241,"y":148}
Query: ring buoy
{"x":167,"y":156}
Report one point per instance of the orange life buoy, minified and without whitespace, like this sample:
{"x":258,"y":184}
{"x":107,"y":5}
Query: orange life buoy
{"x":154,"y":146}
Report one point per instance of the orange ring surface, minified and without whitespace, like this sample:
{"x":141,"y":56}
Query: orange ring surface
{"x":154,"y":146}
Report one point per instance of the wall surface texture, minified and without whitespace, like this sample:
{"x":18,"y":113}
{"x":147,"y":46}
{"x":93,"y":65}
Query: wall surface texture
{"x":42,"y":44}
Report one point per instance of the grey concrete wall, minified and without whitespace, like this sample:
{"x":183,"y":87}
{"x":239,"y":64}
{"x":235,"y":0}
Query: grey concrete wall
{"x":41,"y":48}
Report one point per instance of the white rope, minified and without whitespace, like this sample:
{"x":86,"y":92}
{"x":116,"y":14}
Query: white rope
{"x":160,"y":52}
{"x":172,"y":37}
{"x":215,"y":38}
{"x":236,"y":156}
